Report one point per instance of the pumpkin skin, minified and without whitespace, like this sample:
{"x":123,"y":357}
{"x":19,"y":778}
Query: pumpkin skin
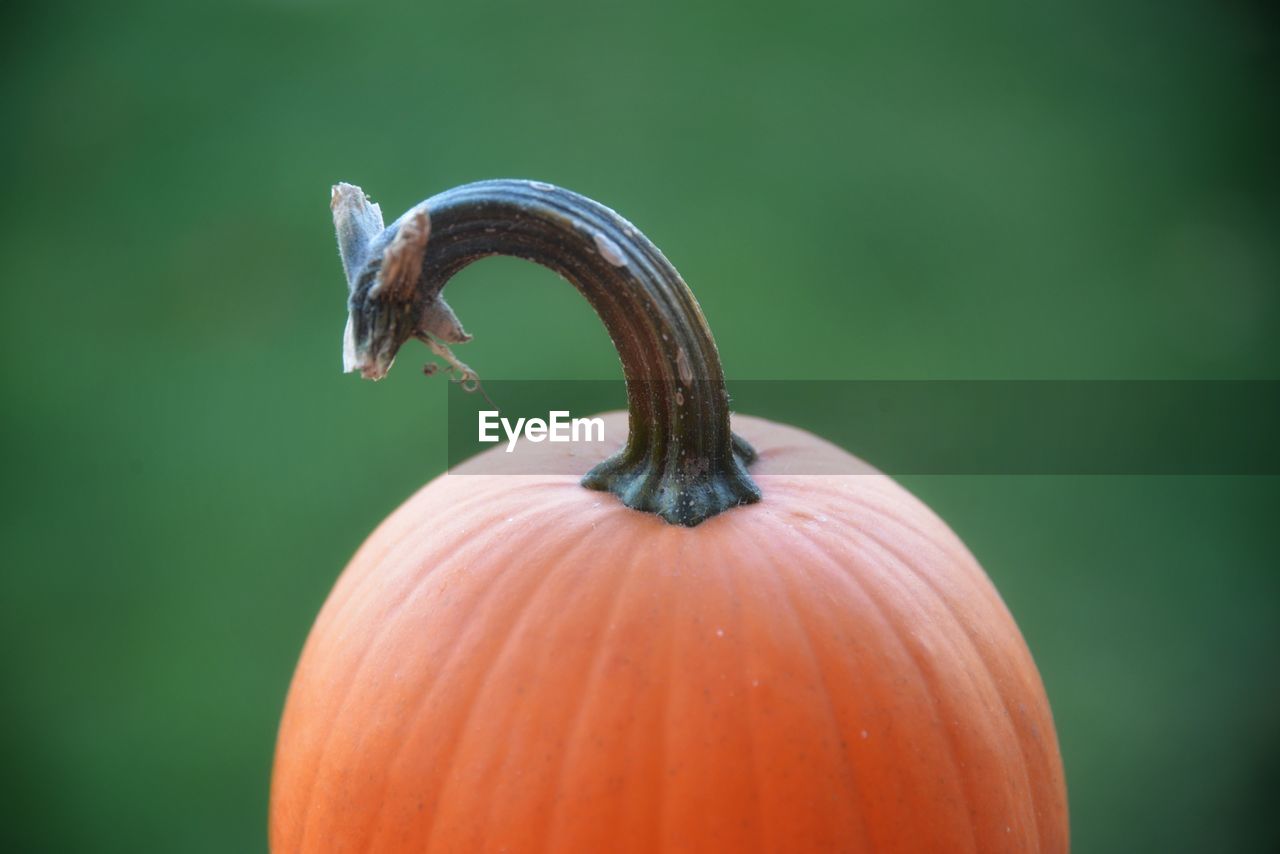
{"x":518,"y":663}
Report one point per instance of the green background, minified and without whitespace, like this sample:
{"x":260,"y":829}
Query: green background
{"x":854,"y":190}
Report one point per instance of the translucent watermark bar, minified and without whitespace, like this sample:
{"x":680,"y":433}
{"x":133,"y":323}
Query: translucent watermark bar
{"x":998,"y":427}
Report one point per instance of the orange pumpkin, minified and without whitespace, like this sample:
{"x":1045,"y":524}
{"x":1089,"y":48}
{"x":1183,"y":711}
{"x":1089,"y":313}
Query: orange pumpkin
{"x":720,"y":656}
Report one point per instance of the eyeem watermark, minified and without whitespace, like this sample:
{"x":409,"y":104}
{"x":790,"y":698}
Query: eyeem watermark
{"x":913,"y":427}
{"x":558,"y":427}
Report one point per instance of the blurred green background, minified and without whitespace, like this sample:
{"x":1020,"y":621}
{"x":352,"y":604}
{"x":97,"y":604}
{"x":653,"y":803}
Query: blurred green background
{"x":854,"y":190}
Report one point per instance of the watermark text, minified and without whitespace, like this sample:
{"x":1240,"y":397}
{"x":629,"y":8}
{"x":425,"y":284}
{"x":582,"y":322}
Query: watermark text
{"x":557,"y":427}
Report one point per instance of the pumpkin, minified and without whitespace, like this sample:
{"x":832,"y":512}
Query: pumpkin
{"x":691,"y":649}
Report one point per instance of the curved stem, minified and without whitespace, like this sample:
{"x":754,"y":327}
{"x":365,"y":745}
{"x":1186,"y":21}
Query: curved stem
{"x":681,"y":461}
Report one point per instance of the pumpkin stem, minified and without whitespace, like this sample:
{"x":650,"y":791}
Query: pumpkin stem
{"x":681,"y":460}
